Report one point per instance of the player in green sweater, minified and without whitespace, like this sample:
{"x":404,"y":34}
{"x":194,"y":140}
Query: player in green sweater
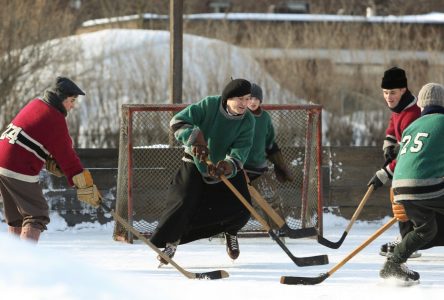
{"x":199,"y":205}
{"x":264,"y":146}
{"x":418,"y":183}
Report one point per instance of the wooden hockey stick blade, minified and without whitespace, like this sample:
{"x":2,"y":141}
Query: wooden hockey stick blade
{"x":333,"y":245}
{"x":304,"y":280}
{"x":300,"y":261}
{"x":218,"y":274}
{"x":278,"y":220}
{"x":298,"y":233}
{"x":336,"y":245}
{"x":323,"y":276}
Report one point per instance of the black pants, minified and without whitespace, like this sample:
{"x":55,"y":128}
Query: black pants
{"x":427,"y":217}
{"x":405,"y":227}
{"x":196,"y":210}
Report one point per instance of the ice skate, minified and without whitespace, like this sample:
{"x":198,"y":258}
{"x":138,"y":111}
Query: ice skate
{"x":398,"y":271}
{"x":169,"y":250}
{"x":232,"y":246}
{"x":388,"y":248}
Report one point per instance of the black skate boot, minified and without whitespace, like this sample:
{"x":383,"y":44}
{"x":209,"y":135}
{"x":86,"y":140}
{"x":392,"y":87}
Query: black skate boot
{"x":388,"y":248}
{"x":169,"y":250}
{"x":232,"y":245}
{"x":399,"y":271}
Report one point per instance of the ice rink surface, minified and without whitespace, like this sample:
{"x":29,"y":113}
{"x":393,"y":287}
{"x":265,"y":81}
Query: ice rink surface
{"x":74,"y":263}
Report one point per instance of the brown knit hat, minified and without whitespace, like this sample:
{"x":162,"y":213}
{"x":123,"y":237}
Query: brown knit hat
{"x":431,"y":94}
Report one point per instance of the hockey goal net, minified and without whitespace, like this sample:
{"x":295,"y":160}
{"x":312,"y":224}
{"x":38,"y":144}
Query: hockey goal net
{"x":149,"y":156}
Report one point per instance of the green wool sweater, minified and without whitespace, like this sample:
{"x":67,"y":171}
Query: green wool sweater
{"x":229,"y":137}
{"x":420,"y":163}
{"x":263,"y":140}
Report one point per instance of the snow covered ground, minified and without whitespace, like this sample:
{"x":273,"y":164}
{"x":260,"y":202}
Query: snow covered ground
{"x":84,"y":262}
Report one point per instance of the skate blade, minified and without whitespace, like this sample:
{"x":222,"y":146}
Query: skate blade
{"x":415,"y":255}
{"x":396,"y":282}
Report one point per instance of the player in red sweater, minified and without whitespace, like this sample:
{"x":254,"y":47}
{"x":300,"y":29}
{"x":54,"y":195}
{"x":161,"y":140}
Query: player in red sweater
{"x":404,"y":109}
{"x":38,"y":136}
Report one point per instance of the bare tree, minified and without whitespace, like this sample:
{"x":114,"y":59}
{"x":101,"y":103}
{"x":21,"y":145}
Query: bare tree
{"x":25,"y":26}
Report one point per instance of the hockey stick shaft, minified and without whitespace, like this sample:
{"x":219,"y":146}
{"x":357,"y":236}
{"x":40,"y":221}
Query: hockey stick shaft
{"x":266,"y":207}
{"x":207,"y":275}
{"x":336,"y":245}
{"x":322,"y":277}
{"x":373,"y":237}
{"x":277,"y":219}
{"x":300,"y":261}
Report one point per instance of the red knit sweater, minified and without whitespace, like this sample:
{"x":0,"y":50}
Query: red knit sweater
{"x":398,"y":122}
{"x":48,"y":126}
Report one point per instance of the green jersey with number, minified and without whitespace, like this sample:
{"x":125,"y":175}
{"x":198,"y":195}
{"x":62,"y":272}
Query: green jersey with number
{"x":420,"y":164}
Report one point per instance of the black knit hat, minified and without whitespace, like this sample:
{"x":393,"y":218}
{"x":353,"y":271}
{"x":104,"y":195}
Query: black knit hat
{"x":65,"y":87}
{"x":394,"y":78}
{"x":256,"y":91}
{"x":236,"y":88}
{"x":61,"y":89}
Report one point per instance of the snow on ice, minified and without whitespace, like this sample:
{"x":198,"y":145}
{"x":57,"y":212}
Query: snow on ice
{"x":84,"y":262}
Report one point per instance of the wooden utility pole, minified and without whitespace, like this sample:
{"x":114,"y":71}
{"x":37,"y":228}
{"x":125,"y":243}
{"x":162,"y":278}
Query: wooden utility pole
{"x":176,"y":51}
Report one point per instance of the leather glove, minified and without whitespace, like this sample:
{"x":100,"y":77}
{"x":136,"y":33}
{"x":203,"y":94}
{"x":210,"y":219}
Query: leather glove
{"x":52,"y":167}
{"x":283,"y":174}
{"x":391,"y":152}
{"x":398,"y":209}
{"x":223,"y":167}
{"x":281,"y":171}
{"x":86,"y":189}
{"x":379,"y":179}
{"x":199,"y":149}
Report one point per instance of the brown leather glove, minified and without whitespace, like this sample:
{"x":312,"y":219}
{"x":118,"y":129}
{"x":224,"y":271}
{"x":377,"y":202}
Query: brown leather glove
{"x":223,"y":167}
{"x":398,"y":209}
{"x":283,"y":174}
{"x":86,"y":189}
{"x":200,"y":148}
{"x":52,"y":167}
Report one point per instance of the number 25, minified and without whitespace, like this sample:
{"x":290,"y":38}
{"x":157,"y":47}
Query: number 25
{"x":417,"y":142}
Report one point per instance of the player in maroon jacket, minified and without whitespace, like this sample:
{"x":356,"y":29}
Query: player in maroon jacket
{"x":404,"y":109}
{"x":38,"y":136}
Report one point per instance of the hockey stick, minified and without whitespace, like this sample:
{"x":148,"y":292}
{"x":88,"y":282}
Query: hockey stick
{"x":299,"y":261}
{"x":206,"y":275}
{"x":315,"y":280}
{"x":336,"y":245}
{"x":277,"y":219}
